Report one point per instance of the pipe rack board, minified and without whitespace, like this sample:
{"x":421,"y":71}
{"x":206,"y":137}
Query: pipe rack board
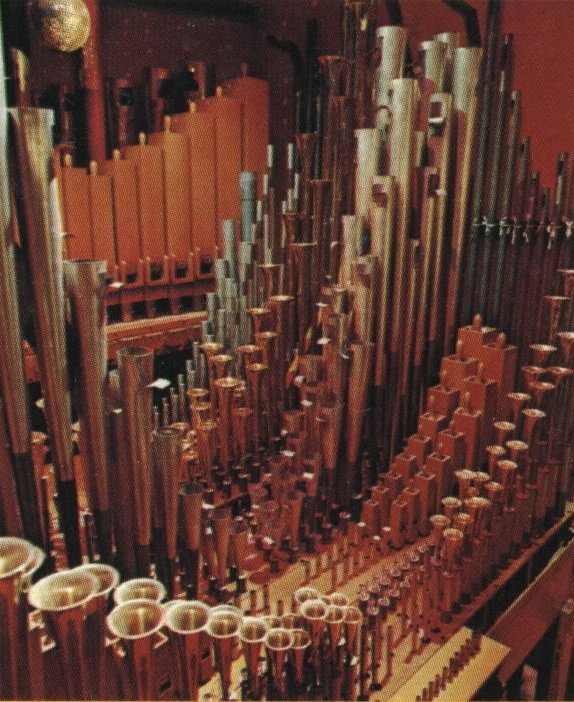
{"x":227,"y":114}
{"x":405,"y":666}
{"x":199,"y":127}
{"x":124,"y":191}
{"x":468,"y":681}
{"x":254,"y":96}
{"x":75,"y":211}
{"x":176,"y":193}
{"x":150,"y":198}
{"x":102,"y":218}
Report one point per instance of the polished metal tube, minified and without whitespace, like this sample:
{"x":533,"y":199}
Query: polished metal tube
{"x":40,"y":224}
{"x":392,"y":43}
{"x":85,"y":285}
{"x":135,"y":366}
{"x":368,"y":157}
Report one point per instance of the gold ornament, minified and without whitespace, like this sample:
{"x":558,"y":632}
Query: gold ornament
{"x":64,"y":25}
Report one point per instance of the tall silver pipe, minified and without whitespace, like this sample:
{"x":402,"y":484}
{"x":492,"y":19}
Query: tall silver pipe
{"x":135,"y":366}
{"x":12,"y":375}
{"x":248,"y":191}
{"x":368,"y":157}
{"x":86,"y":286}
{"x":39,"y":219}
{"x":392,"y":42}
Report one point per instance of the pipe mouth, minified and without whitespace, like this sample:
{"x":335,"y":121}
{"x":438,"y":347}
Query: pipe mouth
{"x":223,"y":625}
{"x":315,"y":610}
{"x":353,"y":615}
{"x":300,"y":639}
{"x":272,"y":621}
{"x":278,"y":639}
{"x":136,"y":619}
{"x":253,"y":629}
{"x":107,"y":576}
{"x":36,"y":559}
{"x":518,"y":396}
{"x":139,"y":589}
{"x":62,"y":591}
{"x":517,"y":445}
{"x":292,"y":621}
{"x":534,"y":413}
{"x":335,"y":614}
{"x":15,"y":556}
{"x":187,"y":617}
{"x":303,"y":594}
{"x":339,"y":599}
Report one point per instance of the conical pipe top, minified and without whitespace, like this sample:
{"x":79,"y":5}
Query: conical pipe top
{"x":223,"y":627}
{"x":136,"y":624}
{"x":252,"y":634}
{"x":335,"y":619}
{"x":278,"y":642}
{"x":301,"y":641}
{"x":315,"y":613}
{"x":186,"y":622}
{"x":139,"y":589}
{"x":222,"y":521}
{"x":353,"y":621}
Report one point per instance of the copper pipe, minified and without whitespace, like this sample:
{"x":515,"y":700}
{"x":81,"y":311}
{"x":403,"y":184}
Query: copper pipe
{"x":257,"y":374}
{"x":278,"y":642}
{"x":187,"y":622}
{"x":107,"y":578}
{"x":304,"y":261}
{"x":135,"y":366}
{"x":16,"y":557}
{"x":223,"y":627}
{"x":252,"y":633}
{"x":225,"y":388}
{"x":136,"y":624}
{"x":63,"y":599}
{"x":315,"y":612}
{"x":301,"y":641}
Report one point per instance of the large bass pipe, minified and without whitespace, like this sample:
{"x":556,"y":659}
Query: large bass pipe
{"x":39,"y":219}
{"x":12,"y":376}
{"x":391,"y":41}
{"x":135,"y":367}
{"x":86,"y":286}
{"x":465,"y":80}
{"x":481,"y":162}
{"x":494,"y":188}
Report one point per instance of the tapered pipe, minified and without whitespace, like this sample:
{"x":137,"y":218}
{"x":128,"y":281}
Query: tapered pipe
{"x":223,"y":627}
{"x":186,"y":622}
{"x":15,"y":556}
{"x":40,"y":225}
{"x":107,"y":578}
{"x":465,"y":81}
{"x":63,"y":599}
{"x":222,"y":522}
{"x":139,"y":589}
{"x":252,"y":635}
{"x":135,"y":367}
{"x":278,"y":642}
{"x":136,"y":624}
{"x":190,"y":505}
{"x":85,"y":285}
{"x":166,"y":449}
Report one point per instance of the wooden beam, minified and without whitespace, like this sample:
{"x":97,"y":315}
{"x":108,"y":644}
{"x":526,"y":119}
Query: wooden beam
{"x":238,"y":10}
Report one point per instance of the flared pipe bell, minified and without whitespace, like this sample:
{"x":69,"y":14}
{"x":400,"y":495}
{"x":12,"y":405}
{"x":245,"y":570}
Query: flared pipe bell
{"x":137,"y":624}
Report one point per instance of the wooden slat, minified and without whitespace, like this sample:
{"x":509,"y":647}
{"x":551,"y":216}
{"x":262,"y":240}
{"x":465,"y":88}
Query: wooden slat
{"x":150,"y":198}
{"x":126,"y":226}
{"x":75,"y":211}
{"x":199,"y":127}
{"x":254,"y":96}
{"x":227,"y":114}
{"x":176,"y":193}
{"x":101,"y":217}
{"x":528,"y":619}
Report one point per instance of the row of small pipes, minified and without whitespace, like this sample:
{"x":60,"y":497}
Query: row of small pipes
{"x":84,"y":611}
